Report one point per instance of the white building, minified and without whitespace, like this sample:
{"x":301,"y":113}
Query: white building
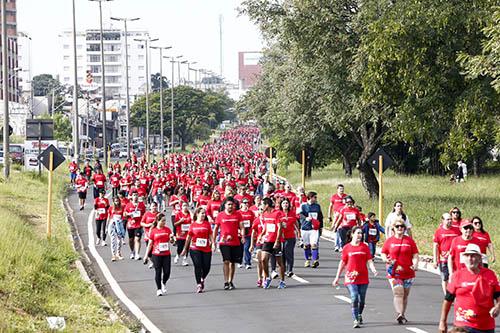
{"x":89,"y":58}
{"x":24,"y":63}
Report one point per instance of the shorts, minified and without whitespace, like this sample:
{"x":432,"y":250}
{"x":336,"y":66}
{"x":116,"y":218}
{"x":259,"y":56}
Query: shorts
{"x":475,"y":330}
{"x":444,"y":272}
{"x":268,"y":247}
{"x":72,"y":176}
{"x":232,"y":253}
{"x":258,"y":247}
{"x":82,"y":195}
{"x":310,"y":237}
{"x":168,"y":191}
{"x":405,"y":283}
{"x":137,"y":232}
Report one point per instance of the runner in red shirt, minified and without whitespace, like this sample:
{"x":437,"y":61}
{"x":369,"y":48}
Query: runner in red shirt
{"x":458,"y":245}
{"x":247,"y":217}
{"x":213,"y":207}
{"x":199,"y":242}
{"x":443,"y":237}
{"x":346,"y":219}
{"x":272,"y":233}
{"x":401,"y":255}
{"x":476,"y":293}
{"x":229,"y":223}
{"x":99,"y":180}
{"x":115,"y":183}
{"x":161,"y":239}
{"x":256,"y":238}
{"x":82,"y":184}
{"x":355,"y":257}
{"x":204,"y":197}
{"x":101,"y":206}
{"x":147,"y":222}
{"x":134,"y":212}
{"x":291,"y":230}
{"x":182,"y":222}
{"x":116,"y":228}
{"x":73,"y":170}
{"x":484,"y":239}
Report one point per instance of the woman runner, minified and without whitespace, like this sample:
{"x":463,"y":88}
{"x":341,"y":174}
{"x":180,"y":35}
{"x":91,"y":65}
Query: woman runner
{"x":116,"y":229}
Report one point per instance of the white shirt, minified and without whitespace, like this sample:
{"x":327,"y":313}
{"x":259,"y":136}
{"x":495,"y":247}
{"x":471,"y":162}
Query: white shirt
{"x":389,"y":221}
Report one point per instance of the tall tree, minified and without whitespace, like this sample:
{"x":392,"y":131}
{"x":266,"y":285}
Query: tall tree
{"x":43,"y":84}
{"x":155,"y":82}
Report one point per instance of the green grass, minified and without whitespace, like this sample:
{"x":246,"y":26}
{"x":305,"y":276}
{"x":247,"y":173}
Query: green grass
{"x":38,"y":277}
{"x":424,"y":197}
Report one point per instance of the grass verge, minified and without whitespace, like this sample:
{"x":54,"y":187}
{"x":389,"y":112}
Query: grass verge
{"x":38,"y":277}
{"x":424,"y":197}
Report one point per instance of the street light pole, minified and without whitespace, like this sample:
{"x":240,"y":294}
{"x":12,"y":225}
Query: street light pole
{"x":172,"y":104}
{"x":76,"y":132}
{"x":147,"y":41}
{"x":189,"y":70}
{"x":103,"y":85}
{"x":161,"y":96}
{"x":124,"y":20}
{"x":5,"y":89}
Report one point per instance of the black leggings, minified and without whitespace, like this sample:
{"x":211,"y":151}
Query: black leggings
{"x":161,"y":264}
{"x":201,"y":262}
{"x":180,"y":246}
{"x":100,"y":228}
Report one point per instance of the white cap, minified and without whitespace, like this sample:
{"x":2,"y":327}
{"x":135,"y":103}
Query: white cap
{"x":472,"y":249}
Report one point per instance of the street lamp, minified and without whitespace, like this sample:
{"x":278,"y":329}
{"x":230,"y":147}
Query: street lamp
{"x":103,"y":85}
{"x":76,"y":132}
{"x":124,"y":20}
{"x":172,"y":103}
{"x":161,"y":48}
{"x":5,"y":90}
{"x":189,"y":69}
{"x":147,"y":41}
{"x":179,"y":69}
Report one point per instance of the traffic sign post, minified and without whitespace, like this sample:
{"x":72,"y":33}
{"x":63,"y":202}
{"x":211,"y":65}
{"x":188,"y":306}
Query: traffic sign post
{"x":380,"y":161}
{"x":51,"y":158}
{"x":304,"y":168}
{"x":270,"y":152}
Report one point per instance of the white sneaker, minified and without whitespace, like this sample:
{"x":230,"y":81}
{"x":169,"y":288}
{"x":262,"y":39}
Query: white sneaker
{"x":274,"y":275}
{"x":132,"y":256}
{"x":176,"y":259}
{"x":103,"y":243}
{"x":240,"y":265}
{"x":98,"y":241}
{"x":150,"y":266}
{"x":159,"y":292}
{"x":138,"y":257}
{"x":184,"y":262}
{"x":163,"y":288}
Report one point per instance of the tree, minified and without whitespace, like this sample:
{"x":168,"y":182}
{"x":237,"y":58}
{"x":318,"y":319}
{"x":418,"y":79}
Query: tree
{"x":43,"y":84}
{"x":155,"y":82}
{"x":62,"y":126}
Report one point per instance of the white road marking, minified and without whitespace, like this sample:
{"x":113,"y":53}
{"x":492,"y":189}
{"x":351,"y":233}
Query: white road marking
{"x":294,"y":276}
{"x":415,"y":330}
{"x":343,"y":298}
{"x":148,"y":324}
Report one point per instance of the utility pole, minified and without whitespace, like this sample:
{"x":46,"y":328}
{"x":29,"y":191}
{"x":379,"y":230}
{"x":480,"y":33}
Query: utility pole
{"x":76,"y":132}
{"x":5,"y":89}
{"x":220,"y":43}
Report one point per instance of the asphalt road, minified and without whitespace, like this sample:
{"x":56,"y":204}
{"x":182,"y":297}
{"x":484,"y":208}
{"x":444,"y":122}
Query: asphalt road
{"x":307,"y":304}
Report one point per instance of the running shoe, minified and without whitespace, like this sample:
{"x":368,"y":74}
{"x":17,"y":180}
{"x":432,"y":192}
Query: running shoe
{"x":274,"y":275}
{"x":103,"y":243}
{"x":399,"y":319}
{"x":289,"y":274}
{"x":282,"y":285}
{"x":248,"y":267}
{"x":360,"y":319}
{"x":226,"y":285}
{"x":202,"y":284}
{"x":199,"y":289}
{"x":184,"y":262}
{"x":98,"y":241}
{"x":307,"y":263}
{"x":119,"y":257}
{"x":159,"y":293}
{"x":132,"y":256}
{"x":81,"y":207}
{"x":231,"y":286}
{"x":138,"y":257}
{"x":150,"y":266}
{"x":176,"y":259}
{"x":259,"y":283}
{"x":113,"y":258}
{"x":267,"y":283}
{"x":336,"y":249}
{"x":240,"y":265}
{"x":315,"y":264}
{"x":145,"y":262}
{"x":163,"y":288}
{"x":356,"y":324}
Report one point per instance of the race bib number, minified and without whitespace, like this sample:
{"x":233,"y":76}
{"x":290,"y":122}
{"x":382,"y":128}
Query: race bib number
{"x":117,"y":217}
{"x":246,"y":224}
{"x":372,"y":232}
{"x":99,"y":183}
{"x":136,"y":213}
{"x":313,"y":215}
{"x":350,"y":216}
{"x":215,"y":213}
{"x":101,"y":211}
{"x":185,"y":227}
{"x":271,"y":227}
{"x":162,"y":247}
{"x":143,"y":181}
{"x":201,"y":242}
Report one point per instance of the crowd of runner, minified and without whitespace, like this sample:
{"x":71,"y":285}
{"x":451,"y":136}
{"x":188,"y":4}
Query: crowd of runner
{"x":219,"y":198}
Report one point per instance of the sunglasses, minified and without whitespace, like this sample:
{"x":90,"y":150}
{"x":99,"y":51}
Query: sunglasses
{"x":477,"y":223}
{"x":469,"y":227}
{"x":399,"y":226}
{"x":455,"y":212}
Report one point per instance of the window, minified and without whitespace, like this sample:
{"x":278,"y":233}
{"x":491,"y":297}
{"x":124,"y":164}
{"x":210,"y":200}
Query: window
{"x":80,"y":68}
{"x":112,"y":69}
{"x":140,"y":46}
{"x":79,"y":46}
{"x":66,"y":79}
{"x":94,"y":58}
{"x":141,"y":56}
{"x":66,"y":57}
{"x":80,"y":79}
{"x":112,"y":47}
{"x":94,"y":47}
{"x":66,"y":46}
{"x":66,"y":68}
{"x":141,"y":68}
{"x":141,"y":78}
{"x":112,"y":79}
{"x":95,"y":68}
{"x":111,"y":58}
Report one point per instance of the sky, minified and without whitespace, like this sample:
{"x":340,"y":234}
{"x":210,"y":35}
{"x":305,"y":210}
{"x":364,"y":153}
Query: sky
{"x":191,"y":27}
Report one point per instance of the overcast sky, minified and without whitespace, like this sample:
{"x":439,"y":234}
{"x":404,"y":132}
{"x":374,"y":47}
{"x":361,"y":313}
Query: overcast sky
{"x":190,"y":26}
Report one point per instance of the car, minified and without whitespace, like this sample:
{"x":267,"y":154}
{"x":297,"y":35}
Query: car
{"x":16,"y":153}
{"x":123,"y":153}
{"x":1,"y":156}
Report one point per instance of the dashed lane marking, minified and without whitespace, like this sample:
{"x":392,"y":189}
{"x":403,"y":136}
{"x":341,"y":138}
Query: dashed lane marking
{"x":294,"y":276}
{"x":415,"y":330}
{"x":343,"y":298}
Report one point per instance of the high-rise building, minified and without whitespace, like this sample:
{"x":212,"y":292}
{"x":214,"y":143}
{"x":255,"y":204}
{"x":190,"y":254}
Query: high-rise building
{"x":249,"y":68}
{"x":88,"y":46}
{"x":24,"y":72}
{"x":12,"y":49}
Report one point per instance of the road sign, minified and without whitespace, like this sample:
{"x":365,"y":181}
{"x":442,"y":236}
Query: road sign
{"x":39,"y":129}
{"x":11,"y":130}
{"x":44,"y":158}
{"x":268,"y":152}
{"x":387,"y":161}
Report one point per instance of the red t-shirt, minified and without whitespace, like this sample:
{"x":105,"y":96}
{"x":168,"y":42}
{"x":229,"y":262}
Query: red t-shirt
{"x":115,"y":180}
{"x":196,"y":191}
{"x":115,"y":214}
{"x":213,"y":207}
{"x":337,"y":202}
{"x":161,"y":241}
{"x":458,"y":245}
{"x":355,"y":259}
{"x":148,"y":218}
{"x":181,"y":230}
{"x":402,"y":251}
{"x":483,"y":240}
{"x":372,"y":233}
{"x":247,"y":218}
{"x":203,"y":200}
{"x":443,"y":237}
{"x":156,"y":185}
{"x":350,"y":217}
{"x":81,"y":184}
{"x":101,"y":206}
{"x":229,"y":225}
{"x":99,"y":180}
{"x":271,"y":222}
{"x":288,"y":223}
{"x":200,"y":236}
{"x":257,"y":227}
{"x":134,"y":214}
{"x":474,"y":298}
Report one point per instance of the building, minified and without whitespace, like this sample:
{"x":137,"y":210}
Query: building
{"x":12,"y":49}
{"x":24,"y":72}
{"x":88,"y":45}
{"x":249,"y":68}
